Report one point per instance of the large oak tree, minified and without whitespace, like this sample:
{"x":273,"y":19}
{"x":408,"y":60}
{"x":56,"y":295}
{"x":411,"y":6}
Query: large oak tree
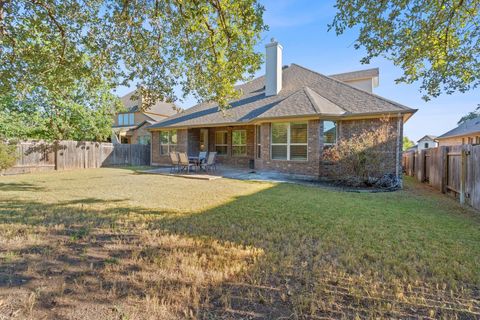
{"x":60,"y":59}
{"x":436,"y":42}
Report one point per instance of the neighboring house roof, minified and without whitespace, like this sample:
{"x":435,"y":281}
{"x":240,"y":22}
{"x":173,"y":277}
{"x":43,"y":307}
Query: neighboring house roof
{"x":305,"y":93}
{"x":130,"y":129}
{"x":428,"y":137}
{"x":468,"y":127}
{"x":159,"y":110}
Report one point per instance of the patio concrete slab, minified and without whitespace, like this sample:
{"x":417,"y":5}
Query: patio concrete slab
{"x":191,"y":175}
{"x":233,"y":173}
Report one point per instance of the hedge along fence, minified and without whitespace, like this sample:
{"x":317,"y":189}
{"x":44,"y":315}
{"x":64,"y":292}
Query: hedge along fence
{"x":449,"y":169}
{"x":34,"y":156}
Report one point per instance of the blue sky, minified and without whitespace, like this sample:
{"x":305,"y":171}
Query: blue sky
{"x":301,"y":27}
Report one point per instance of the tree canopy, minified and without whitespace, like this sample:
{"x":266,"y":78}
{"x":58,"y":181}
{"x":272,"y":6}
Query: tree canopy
{"x":61,"y":59}
{"x":407,"y":143}
{"x":471,"y":115}
{"x":435,"y":42}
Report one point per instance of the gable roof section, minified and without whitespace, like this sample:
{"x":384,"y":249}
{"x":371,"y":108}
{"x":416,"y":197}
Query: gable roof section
{"x":427,"y":137}
{"x":304,"y":93}
{"x":468,"y":127}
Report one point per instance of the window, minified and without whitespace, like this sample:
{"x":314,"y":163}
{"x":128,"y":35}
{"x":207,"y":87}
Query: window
{"x":289,"y":141}
{"x":329,"y":132}
{"x":425,"y":145}
{"x":221,"y":145}
{"x":126,"y":119}
{"x":258,"y":137}
{"x":470,"y":140}
{"x":239,"y":143}
{"x":477,"y":140}
{"x":168,"y":141}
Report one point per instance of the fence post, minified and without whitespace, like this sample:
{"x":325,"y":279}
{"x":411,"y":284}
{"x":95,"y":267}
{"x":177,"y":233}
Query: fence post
{"x":463,"y":174}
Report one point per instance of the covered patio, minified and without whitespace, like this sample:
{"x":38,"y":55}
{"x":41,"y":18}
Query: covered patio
{"x":234,"y":172}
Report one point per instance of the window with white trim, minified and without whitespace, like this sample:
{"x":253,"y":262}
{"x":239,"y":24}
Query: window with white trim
{"x":168,"y":141}
{"x":221,"y":142}
{"x":289,"y":141}
{"x":329,"y":132}
{"x":126,"y":119}
{"x":239,"y":143}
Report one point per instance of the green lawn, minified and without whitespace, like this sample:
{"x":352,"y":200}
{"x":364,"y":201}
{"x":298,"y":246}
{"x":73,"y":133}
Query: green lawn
{"x":116,"y":244}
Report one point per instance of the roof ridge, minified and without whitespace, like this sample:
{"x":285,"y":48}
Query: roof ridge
{"x":359,"y":90}
{"x":307,"y":92}
{"x":355,"y":71}
{"x":325,"y":98}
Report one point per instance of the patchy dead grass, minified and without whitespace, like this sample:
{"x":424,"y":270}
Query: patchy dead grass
{"x":114,"y":244}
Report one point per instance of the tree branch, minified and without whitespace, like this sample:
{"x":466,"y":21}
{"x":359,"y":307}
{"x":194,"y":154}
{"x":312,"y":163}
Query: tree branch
{"x":59,"y":26}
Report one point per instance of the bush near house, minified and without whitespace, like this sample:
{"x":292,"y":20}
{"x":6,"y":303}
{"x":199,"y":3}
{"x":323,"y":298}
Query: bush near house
{"x":359,"y":160}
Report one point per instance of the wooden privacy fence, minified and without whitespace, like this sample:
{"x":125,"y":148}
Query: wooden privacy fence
{"x":65,"y":155}
{"x":449,"y":169}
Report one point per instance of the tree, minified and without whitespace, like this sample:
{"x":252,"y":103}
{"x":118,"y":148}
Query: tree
{"x":471,"y":115}
{"x":407,"y":143}
{"x":7,"y":155}
{"x":436,"y":42}
{"x":63,"y":58}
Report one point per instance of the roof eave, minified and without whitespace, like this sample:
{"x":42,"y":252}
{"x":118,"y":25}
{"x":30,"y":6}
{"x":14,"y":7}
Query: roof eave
{"x":458,"y":135}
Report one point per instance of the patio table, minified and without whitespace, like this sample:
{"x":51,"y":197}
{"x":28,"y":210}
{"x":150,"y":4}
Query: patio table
{"x":195,"y":160}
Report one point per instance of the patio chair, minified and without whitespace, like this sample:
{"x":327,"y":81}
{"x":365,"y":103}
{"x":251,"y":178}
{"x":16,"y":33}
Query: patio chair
{"x":210,"y":163}
{"x":184,"y":163}
{"x":174,"y":160}
{"x":202,"y":156}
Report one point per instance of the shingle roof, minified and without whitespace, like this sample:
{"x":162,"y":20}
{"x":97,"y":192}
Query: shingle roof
{"x":428,"y":137}
{"x":159,"y":108}
{"x":356,"y":75}
{"x":304,"y":93}
{"x":469,"y":126}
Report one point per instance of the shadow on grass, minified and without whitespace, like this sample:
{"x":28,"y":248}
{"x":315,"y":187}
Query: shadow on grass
{"x":19,"y":187}
{"x":287,"y":250}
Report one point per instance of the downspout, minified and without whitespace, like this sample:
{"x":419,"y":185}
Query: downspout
{"x":397,"y":153}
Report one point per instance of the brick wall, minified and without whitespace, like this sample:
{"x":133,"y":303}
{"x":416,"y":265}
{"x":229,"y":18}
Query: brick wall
{"x":315,"y":166}
{"x":391,"y":150}
{"x":229,"y":159}
{"x":142,"y":131}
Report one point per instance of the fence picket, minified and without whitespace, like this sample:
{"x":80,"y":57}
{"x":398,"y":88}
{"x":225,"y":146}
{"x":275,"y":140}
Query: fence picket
{"x":65,"y":155}
{"x":442,"y":169}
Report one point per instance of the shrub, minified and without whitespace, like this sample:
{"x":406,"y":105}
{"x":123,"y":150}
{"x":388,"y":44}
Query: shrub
{"x":360,"y":159}
{"x":7,"y":155}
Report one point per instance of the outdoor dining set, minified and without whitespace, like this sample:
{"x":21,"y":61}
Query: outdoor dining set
{"x":205,"y":161}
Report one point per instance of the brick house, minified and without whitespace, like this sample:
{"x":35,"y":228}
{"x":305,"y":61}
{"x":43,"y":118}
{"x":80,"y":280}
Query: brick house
{"x":131,"y":125}
{"x":284,"y":120}
{"x":466,"y":133}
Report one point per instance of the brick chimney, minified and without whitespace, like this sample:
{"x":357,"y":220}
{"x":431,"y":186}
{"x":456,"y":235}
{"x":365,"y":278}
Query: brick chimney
{"x":273,"y":73}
